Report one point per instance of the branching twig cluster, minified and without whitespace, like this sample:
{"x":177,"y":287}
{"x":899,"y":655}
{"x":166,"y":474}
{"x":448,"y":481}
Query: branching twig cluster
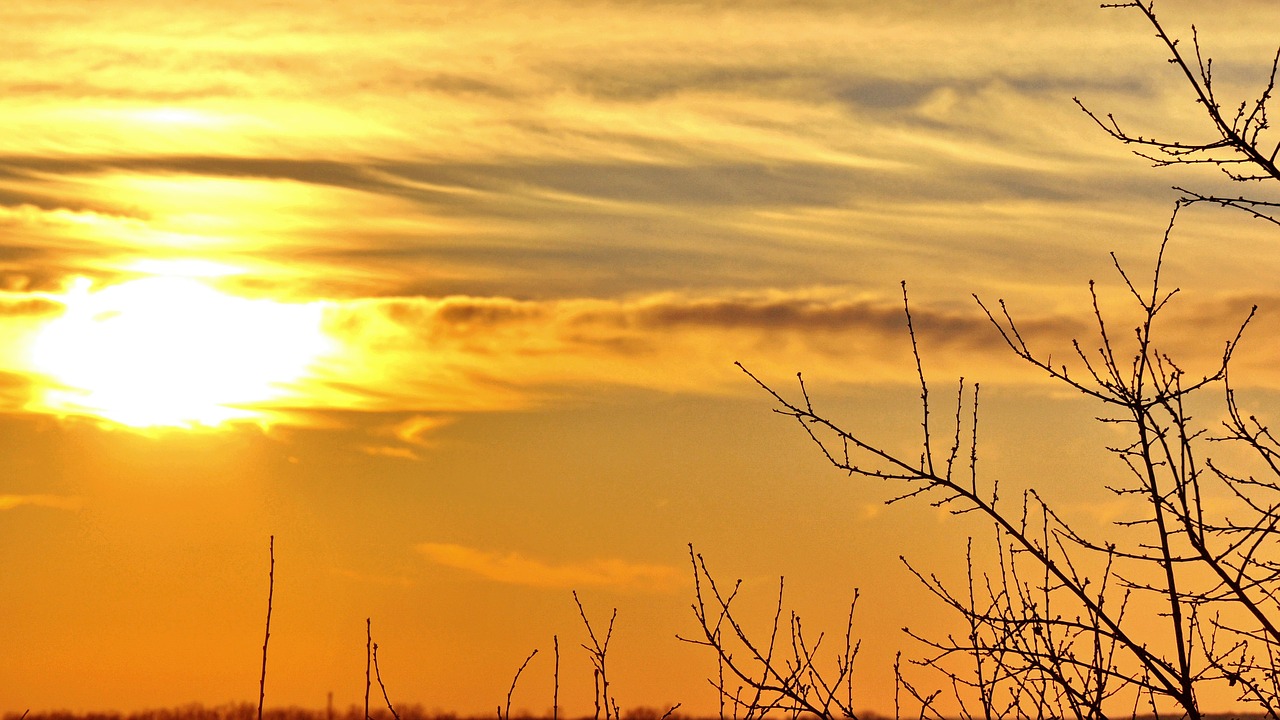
{"x":1177,"y":598}
{"x":1049,"y":630}
{"x":599,"y":651}
{"x":781,"y":674}
{"x":1242,"y":146}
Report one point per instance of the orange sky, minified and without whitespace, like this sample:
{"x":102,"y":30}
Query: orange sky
{"x":446,"y":297}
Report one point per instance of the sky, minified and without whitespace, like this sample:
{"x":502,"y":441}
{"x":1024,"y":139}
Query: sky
{"x":446,"y":297}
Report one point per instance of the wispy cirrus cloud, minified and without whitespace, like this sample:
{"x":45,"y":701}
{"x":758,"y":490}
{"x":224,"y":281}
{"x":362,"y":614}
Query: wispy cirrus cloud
{"x":500,"y":213}
{"x":405,"y":439}
{"x":516,"y":569}
{"x":460,"y":151}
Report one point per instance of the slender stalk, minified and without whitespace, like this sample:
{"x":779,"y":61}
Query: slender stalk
{"x":512,"y":690}
{"x":271,"y":588}
{"x":378,"y":674}
{"x":368,"y":663}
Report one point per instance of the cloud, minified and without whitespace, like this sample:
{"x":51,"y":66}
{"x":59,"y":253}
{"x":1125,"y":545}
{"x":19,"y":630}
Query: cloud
{"x":424,"y":360}
{"x":593,"y":202}
{"x":56,"y":502}
{"x":516,"y":569}
{"x":417,"y":430}
{"x":456,"y":354}
{"x":586,"y":162}
{"x":17,"y":306}
{"x":389,"y":451}
{"x":413,"y":433}
{"x":464,"y":353}
{"x":482,"y":188}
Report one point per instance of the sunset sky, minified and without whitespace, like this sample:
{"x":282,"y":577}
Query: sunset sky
{"x":446,"y":297}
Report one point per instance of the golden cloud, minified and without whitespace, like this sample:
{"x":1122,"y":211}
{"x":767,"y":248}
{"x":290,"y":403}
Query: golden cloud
{"x":55,"y":502}
{"x":461,"y":353}
{"x":516,"y":569}
{"x":427,"y":359}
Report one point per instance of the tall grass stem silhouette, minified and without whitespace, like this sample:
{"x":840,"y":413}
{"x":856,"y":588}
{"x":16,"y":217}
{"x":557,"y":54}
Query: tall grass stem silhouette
{"x":271,"y":589}
{"x":512,"y":690}
{"x":368,"y":663}
{"x":378,"y":674}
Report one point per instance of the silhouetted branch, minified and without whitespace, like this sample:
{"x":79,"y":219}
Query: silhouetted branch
{"x":511,"y":691}
{"x":271,"y":589}
{"x":387,"y":698}
{"x":598,"y":652}
{"x":783,"y":675}
{"x":1242,"y":145}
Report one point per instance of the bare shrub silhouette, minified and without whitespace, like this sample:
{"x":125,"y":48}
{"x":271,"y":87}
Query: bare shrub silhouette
{"x":783,"y":673}
{"x":598,"y":652}
{"x":597,"y":649}
{"x":1174,"y":603}
{"x":243,"y":711}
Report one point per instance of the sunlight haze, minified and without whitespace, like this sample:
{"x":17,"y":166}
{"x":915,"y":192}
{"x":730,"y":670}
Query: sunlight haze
{"x":447,"y":296}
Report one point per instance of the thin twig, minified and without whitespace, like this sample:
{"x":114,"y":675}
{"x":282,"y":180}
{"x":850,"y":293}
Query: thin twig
{"x":271,"y":588}
{"x":378,"y":674}
{"x":368,"y":663}
{"x":511,"y":691}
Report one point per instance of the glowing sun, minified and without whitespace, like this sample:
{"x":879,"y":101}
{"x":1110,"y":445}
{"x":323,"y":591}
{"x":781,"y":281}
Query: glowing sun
{"x":174,"y":352}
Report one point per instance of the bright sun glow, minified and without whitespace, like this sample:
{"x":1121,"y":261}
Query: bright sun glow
{"x":173,"y":351}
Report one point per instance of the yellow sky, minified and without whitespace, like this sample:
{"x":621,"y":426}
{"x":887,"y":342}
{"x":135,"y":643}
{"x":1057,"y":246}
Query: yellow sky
{"x":446,"y":296}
